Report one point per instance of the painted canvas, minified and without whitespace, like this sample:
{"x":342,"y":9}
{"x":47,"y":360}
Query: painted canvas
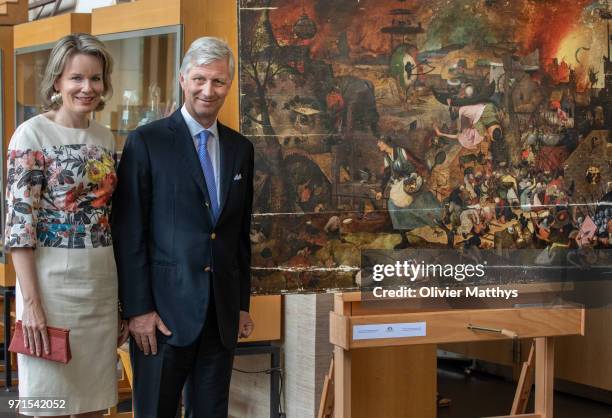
{"x":462,"y":124}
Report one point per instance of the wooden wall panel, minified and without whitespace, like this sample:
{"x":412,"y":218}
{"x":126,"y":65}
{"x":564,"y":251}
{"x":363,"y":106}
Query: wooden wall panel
{"x":409,"y":382}
{"x":7,"y":271}
{"x":266,"y":313}
{"x":588,"y":360}
{"x":225,"y":26}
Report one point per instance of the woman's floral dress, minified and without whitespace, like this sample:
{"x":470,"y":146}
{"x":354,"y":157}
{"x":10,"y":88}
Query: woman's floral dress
{"x":59,"y":188}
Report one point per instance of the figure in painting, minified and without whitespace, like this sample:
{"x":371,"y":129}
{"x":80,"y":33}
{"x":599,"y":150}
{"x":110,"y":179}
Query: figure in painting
{"x":410,"y":204}
{"x":478,"y":120}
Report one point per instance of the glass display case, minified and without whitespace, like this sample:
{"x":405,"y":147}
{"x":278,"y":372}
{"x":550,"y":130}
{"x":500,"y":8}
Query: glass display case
{"x":145,"y":78}
{"x":30,"y":66}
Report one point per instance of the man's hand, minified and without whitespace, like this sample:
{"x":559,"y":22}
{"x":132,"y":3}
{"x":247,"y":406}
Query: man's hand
{"x":143,"y":328}
{"x":246,"y":325}
{"x":123,"y":333}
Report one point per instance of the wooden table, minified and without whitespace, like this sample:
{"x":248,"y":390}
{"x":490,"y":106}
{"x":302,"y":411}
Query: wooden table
{"x":379,"y":362}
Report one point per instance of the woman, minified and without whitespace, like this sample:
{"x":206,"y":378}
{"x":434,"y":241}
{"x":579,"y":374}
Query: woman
{"x":410,"y":205}
{"x":61,"y":177}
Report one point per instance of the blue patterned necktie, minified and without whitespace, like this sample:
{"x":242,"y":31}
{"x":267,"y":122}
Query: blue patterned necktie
{"x":209,"y":173}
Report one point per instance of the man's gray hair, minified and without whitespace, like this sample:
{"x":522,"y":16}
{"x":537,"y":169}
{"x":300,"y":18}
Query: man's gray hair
{"x":206,"y":50}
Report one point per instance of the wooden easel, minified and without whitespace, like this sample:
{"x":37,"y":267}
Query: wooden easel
{"x":326,"y":406}
{"x":523,"y":387}
{"x":541,"y":324}
{"x":124,"y":385}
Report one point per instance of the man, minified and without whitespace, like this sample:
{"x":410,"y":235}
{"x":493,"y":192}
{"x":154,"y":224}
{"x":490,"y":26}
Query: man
{"x":181,"y":222}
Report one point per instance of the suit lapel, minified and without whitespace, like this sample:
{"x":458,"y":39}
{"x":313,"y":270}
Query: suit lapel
{"x":226,"y":146}
{"x":187,"y":152}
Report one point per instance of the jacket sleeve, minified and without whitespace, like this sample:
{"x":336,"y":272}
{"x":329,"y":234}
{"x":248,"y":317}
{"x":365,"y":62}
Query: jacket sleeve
{"x":130,"y":228}
{"x":244,"y":254}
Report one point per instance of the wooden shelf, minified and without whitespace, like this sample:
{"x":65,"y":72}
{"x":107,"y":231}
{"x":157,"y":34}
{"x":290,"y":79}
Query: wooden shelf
{"x":49,"y":30}
{"x":143,"y":14}
{"x":13,"y":12}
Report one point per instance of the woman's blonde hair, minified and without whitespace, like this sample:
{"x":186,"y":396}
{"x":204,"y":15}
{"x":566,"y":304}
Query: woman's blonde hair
{"x":66,"y":47}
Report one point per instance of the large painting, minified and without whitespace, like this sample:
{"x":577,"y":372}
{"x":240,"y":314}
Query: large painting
{"x":382,"y":124}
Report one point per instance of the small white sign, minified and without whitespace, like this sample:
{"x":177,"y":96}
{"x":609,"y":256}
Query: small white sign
{"x":396,"y":330}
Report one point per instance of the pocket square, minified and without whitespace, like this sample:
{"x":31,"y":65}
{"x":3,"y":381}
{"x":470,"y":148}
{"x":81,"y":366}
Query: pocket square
{"x":238,"y":177}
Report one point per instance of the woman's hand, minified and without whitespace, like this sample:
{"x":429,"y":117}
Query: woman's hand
{"x":124,"y":332}
{"x":34,"y":323}
{"x":33,"y":318}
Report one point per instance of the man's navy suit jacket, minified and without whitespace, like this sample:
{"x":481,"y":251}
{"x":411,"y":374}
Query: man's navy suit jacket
{"x":170,"y":253}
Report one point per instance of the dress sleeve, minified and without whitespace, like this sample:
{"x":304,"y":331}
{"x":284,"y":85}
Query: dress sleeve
{"x":469,"y":138}
{"x":25,"y":178}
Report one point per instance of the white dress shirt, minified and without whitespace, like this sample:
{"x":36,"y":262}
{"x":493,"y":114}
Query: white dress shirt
{"x":212,"y":145}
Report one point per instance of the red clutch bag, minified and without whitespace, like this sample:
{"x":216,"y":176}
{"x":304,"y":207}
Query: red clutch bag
{"x":58,"y":340}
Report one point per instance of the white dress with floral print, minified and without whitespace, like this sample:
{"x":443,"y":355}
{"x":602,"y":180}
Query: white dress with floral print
{"x":59,"y":185}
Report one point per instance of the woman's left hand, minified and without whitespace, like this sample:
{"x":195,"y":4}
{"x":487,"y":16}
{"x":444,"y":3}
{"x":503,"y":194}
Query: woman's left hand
{"x":124,"y":332}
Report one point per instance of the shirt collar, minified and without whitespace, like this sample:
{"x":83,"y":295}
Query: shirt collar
{"x":195,"y":127}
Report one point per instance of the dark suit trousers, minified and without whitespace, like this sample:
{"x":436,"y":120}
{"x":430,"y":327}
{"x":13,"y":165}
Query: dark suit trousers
{"x":204,"y":368}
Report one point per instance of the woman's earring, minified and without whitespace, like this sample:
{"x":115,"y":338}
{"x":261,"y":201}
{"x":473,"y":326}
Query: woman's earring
{"x":56,"y":98}
{"x":102,"y":100}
